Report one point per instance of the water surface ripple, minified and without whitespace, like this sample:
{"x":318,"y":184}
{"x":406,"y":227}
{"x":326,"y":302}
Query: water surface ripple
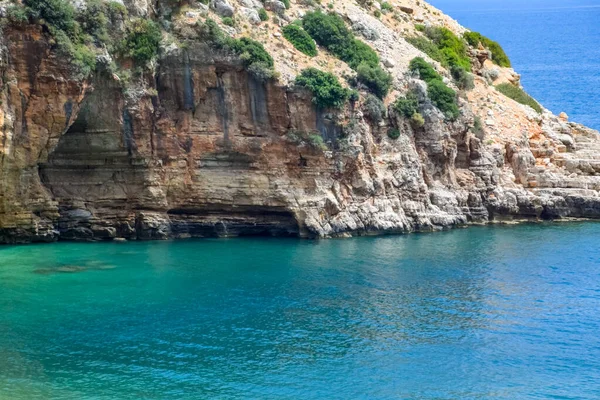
{"x":480,"y":313}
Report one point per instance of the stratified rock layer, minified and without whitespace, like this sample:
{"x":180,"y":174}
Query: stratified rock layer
{"x":212,"y":151}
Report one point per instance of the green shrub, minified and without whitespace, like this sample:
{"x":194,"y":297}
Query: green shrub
{"x":327,"y":90}
{"x":374,"y":109}
{"x":142,"y":40}
{"x":93,"y":21}
{"x":286,"y":3}
{"x":211,"y":33}
{"x":426,"y":46}
{"x":377,"y":14}
{"x":251,"y":51}
{"x":417,"y":120}
{"x":116,"y":9}
{"x":262,"y":71}
{"x":316,"y":141}
{"x":385,"y":6}
{"x":74,"y":33}
{"x":17,"y":13}
{"x":463,"y":79}
{"x":312,"y":138}
{"x":376,"y":79}
{"x":262,"y":14}
{"x":444,"y":98}
{"x":408,"y":105}
{"x":519,"y":95}
{"x":451,"y":50}
{"x":424,"y":70}
{"x":300,"y":39}
{"x":228,"y":21}
{"x":58,"y":14}
{"x":441,"y":95}
{"x":330,"y":31}
{"x":393,"y":133}
{"x":358,"y":53}
{"x":499,"y":57}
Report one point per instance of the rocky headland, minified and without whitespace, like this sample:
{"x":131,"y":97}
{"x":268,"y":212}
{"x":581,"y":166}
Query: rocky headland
{"x":154,"y":120}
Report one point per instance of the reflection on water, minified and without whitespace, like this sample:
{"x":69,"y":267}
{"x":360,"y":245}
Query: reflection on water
{"x":478,"y":313}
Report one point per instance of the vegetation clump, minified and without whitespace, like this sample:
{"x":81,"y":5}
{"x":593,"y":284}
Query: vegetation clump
{"x":442,"y":45}
{"x":312,"y":138}
{"x":499,"y":57}
{"x":262,"y":14}
{"x":330,"y":31}
{"x":255,"y":57}
{"x":142,"y":40}
{"x":519,"y":95}
{"x":300,"y":39}
{"x":441,"y":95}
{"x":408,"y":105}
{"x":325,"y":87}
{"x":393,"y":133}
{"x":374,"y":108}
{"x":77,"y":34}
{"x":463,"y":79}
{"x":375,"y":79}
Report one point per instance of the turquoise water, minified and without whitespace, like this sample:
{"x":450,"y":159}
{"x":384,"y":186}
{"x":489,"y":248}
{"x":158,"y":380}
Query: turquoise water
{"x":552,"y":43}
{"x":479,"y":313}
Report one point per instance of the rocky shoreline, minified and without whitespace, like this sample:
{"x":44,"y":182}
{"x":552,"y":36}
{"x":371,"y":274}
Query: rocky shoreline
{"x":201,"y":148}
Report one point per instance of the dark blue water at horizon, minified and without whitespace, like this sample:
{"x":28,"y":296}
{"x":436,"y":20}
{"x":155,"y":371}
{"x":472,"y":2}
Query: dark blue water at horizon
{"x":553,"y":44}
{"x":478,"y":313}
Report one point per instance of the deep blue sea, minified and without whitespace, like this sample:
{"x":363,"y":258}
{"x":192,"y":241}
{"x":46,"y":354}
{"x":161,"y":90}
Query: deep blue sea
{"x":554,"y":44}
{"x":478,"y":313}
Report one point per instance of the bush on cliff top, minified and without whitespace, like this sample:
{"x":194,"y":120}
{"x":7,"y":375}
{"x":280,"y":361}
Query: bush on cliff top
{"x":519,"y":95}
{"x":59,"y":14}
{"x":499,"y":57}
{"x":255,"y":57}
{"x":77,"y":33}
{"x":325,"y":87}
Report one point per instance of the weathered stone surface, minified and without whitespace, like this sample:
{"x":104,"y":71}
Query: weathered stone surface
{"x":211,"y":153}
{"x":223,"y":8}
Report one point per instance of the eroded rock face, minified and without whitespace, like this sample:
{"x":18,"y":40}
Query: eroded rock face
{"x":211,"y":152}
{"x":40,"y":100}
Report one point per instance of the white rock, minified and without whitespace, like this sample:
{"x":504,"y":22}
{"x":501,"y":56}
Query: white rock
{"x":223,"y":8}
{"x":251,"y":15}
{"x":389,"y":63}
{"x":276,"y":6}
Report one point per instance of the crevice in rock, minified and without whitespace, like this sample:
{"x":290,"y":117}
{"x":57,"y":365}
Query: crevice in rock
{"x":224,"y":221}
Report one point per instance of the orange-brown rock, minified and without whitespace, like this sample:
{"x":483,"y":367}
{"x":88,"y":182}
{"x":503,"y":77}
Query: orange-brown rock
{"x":206,"y":149}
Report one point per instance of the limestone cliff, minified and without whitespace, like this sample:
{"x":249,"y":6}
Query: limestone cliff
{"x":200,"y":147}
